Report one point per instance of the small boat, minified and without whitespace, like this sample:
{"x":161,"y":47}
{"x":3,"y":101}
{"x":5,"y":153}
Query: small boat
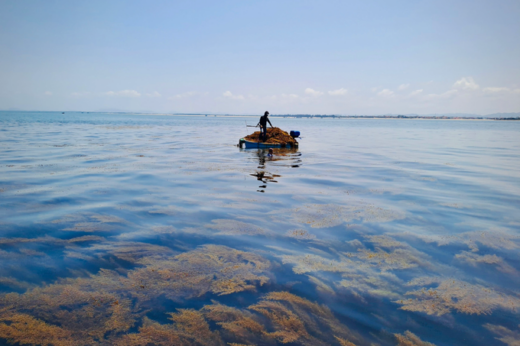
{"x":243,"y":143}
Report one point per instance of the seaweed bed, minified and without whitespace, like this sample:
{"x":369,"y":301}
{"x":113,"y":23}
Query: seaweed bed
{"x":134,"y":234}
{"x":275,"y":135}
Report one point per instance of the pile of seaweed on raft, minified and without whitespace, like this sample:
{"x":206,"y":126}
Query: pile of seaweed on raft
{"x":275,"y":135}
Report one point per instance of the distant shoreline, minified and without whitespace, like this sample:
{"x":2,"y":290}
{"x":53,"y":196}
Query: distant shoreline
{"x":295,"y":116}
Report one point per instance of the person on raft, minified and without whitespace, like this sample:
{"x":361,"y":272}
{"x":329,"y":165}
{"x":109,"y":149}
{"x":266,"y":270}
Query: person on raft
{"x":263,"y":125}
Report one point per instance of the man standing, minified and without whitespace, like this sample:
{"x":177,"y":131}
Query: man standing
{"x":263,"y":125}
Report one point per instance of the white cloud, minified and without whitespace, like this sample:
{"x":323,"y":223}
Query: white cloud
{"x":374,"y":89}
{"x":289,"y":96}
{"x":230,"y":95}
{"x":386,"y":93}
{"x":403,"y":86}
{"x":466,"y":83}
{"x":313,"y":92}
{"x":80,"y":94}
{"x":186,"y":95}
{"x":154,"y":94}
{"x":494,"y":90}
{"x":415,"y":93}
{"x":48,"y":93}
{"x":444,"y":95}
{"x":338,"y":92}
{"x":123,"y":93}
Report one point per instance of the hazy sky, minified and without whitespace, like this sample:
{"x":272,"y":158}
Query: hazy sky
{"x":327,"y":57}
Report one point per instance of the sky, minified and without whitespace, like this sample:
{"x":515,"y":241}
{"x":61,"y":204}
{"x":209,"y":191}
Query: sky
{"x":245,"y":57}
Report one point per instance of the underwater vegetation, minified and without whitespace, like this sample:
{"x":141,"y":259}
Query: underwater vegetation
{"x":279,"y":317}
{"x":507,"y":336}
{"x":330,"y":215}
{"x":410,"y":339}
{"x":445,"y":295}
{"x":125,"y":230}
{"x":106,"y":308}
{"x":234,"y":227}
{"x":91,"y":309}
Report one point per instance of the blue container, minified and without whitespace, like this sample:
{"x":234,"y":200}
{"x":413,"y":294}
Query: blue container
{"x":295,"y":134}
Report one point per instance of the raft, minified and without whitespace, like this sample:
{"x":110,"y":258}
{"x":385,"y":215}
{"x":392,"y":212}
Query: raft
{"x":244,"y":143}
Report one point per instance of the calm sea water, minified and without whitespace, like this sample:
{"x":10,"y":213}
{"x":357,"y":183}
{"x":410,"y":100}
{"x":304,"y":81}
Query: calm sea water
{"x":158,"y":230}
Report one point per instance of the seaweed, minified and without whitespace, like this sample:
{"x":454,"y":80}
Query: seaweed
{"x":507,"y":336}
{"x":91,"y":222}
{"x":280,"y":317}
{"x":50,"y":240}
{"x":321,"y":286}
{"x":498,"y":238}
{"x":14,"y":283}
{"x":475,"y":259}
{"x":386,"y":242}
{"x":233,"y":227}
{"x":300,"y":234}
{"x":105,"y":305}
{"x":238,"y":325}
{"x":397,"y":259}
{"x":133,"y":252}
{"x":456,"y":295}
{"x":357,"y":277}
{"x":27,"y":330}
{"x":410,"y":339}
{"x":375,"y":284}
{"x":296,"y":319}
{"x":330,"y":215}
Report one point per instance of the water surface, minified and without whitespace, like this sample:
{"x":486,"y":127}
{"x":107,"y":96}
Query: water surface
{"x":133,"y":230}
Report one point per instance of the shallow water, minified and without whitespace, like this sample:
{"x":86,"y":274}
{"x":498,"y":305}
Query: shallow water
{"x":110,"y":223}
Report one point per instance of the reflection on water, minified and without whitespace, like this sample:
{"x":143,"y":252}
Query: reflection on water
{"x":123,"y":230}
{"x":283,"y":157}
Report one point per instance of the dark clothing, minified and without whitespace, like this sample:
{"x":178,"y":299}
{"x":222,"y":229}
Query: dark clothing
{"x":263,"y":121}
{"x":263,"y":127}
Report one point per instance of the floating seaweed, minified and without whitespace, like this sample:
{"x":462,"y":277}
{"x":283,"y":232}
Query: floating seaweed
{"x":475,"y":259}
{"x":188,"y":328}
{"x":233,"y":227}
{"x":330,"y":215}
{"x":499,"y":238}
{"x":321,"y":286}
{"x":237,"y":324}
{"x":298,"y":320}
{"x":410,"y":339}
{"x":14,"y":283}
{"x":280,"y":317}
{"x":372,"y":283}
{"x":134,"y":252}
{"x":357,"y":277}
{"x":507,"y":336}
{"x":300,"y":234}
{"x":386,"y":242}
{"x":100,"y":307}
{"x":91,"y":222}
{"x":27,"y":330}
{"x":397,"y":259}
{"x":450,"y":294}
{"x":313,"y":263}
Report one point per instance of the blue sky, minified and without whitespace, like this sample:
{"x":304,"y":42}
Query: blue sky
{"x":333,"y":57}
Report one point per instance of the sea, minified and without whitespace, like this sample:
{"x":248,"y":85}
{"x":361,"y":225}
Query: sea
{"x":133,"y":229}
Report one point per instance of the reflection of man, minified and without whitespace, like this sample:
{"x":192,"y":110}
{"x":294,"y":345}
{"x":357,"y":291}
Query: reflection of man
{"x":263,"y":125}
